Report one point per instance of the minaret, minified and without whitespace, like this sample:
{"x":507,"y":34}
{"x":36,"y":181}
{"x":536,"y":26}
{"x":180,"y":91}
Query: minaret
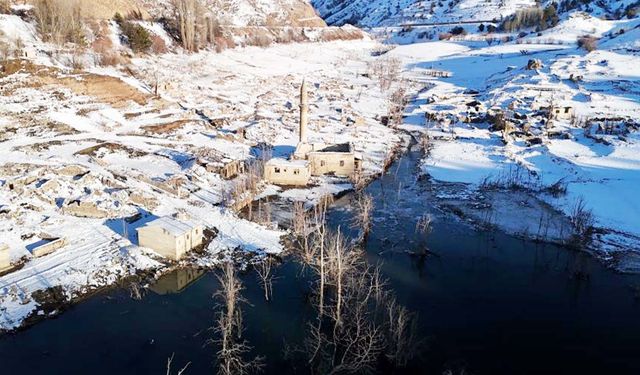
{"x":304,"y":112}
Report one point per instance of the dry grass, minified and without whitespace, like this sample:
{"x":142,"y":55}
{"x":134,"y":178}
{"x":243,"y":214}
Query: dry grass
{"x":588,"y":42}
{"x":166,"y":128}
{"x":105,"y":89}
{"x":158,"y":45}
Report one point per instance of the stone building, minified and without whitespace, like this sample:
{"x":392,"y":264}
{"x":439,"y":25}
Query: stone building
{"x":287,"y":172}
{"x":338,"y":159}
{"x":47,"y":245}
{"x":228,"y":168}
{"x":171,"y":237}
{"x":5,"y":260}
{"x":561,"y":112}
{"x":312,"y":159}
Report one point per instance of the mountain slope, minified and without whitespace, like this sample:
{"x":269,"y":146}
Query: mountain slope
{"x":367,"y":13}
{"x":229,"y":12}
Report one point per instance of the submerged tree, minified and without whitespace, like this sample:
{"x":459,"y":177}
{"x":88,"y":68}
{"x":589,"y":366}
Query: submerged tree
{"x":364,"y":210}
{"x":264,"y":269}
{"x":231,"y":347}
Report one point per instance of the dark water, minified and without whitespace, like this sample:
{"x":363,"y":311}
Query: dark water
{"x":487,"y":303}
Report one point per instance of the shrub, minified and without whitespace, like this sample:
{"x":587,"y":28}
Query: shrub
{"x":223,"y":43}
{"x":158,"y":45}
{"x":588,"y":42}
{"x":458,"y":30}
{"x":259,"y":40}
{"x":136,"y":36}
{"x":481,"y":27}
{"x":582,"y":220}
{"x":632,"y":11}
{"x":5,"y":53}
{"x":102,"y":46}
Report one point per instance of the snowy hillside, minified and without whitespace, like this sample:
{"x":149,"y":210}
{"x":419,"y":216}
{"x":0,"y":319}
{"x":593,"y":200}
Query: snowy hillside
{"x":376,"y":13}
{"x":228,"y":12}
{"x":516,"y":78}
{"x":249,"y":12}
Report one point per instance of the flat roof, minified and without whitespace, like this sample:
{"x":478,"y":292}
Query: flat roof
{"x":172,"y":225}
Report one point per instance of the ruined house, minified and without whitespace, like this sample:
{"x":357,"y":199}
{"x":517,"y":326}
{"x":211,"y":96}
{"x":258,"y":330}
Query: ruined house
{"x":312,"y":159}
{"x":216,"y":162}
{"x":46,"y":245}
{"x":561,"y":112}
{"x":5,"y":260}
{"x":84,"y":208}
{"x":227,"y":168}
{"x":287,"y":172}
{"x":171,"y":237}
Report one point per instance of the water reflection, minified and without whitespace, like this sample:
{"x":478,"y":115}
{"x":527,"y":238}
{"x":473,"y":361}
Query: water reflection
{"x":485,"y":303}
{"x":176,"y":281}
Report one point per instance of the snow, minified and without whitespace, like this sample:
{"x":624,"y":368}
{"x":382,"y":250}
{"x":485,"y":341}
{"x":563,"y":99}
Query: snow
{"x":602,"y":170}
{"x":149,"y":155}
{"x":141,"y":155}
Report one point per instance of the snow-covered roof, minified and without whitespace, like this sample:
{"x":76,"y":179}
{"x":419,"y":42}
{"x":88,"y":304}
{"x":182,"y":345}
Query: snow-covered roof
{"x":172,"y":225}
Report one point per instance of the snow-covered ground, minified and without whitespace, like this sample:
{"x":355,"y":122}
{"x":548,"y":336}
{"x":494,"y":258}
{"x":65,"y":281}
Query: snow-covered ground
{"x":603,"y":87}
{"x":101,"y":137}
{"x":145,"y":137}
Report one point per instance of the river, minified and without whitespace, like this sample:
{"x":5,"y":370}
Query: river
{"x":486,"y":303}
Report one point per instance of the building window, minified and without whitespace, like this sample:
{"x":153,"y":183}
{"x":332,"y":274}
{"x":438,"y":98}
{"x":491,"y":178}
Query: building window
{"x":342,"y":163}
{"x":322,"y":163}
{"x":566,"y":110}
{"x":296,"y":171}
{"x":277,"y":170}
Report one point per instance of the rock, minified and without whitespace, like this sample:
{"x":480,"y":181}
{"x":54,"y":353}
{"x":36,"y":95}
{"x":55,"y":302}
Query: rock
{"x":534,"y":64}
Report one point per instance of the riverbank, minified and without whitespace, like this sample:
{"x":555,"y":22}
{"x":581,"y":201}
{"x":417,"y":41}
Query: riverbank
{"x":518,"y":166}
{"x":475,"y":292}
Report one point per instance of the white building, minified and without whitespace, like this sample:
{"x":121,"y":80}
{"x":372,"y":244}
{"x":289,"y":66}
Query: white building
{"x":170,"y":237}
{"x":287,"y":172}
{"x":311,"y":159}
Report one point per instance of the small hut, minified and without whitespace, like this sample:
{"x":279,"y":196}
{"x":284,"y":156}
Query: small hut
{"x":170,"y":237}
{"x":287,"y":172}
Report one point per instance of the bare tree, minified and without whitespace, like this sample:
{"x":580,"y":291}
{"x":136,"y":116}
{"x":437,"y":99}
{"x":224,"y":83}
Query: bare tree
{"x":181,"y":371}
{"x":264,"y":269}
{"x":232,"y":348}
{"x":299,"y":219}
{"x":582,"y":219}
{"x":423,"y":225}
{"x":364,"y":209}
{"x":187,"y":18}
{"x":426,"y":144}
{"x":59,"y":21}
{"x":397,"y":105}
{"x":386,"y":70}
{"x":358,"y":320}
